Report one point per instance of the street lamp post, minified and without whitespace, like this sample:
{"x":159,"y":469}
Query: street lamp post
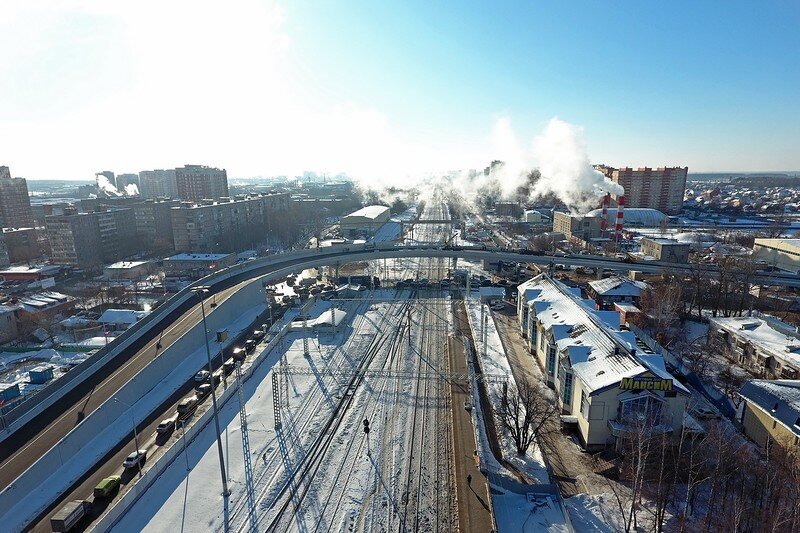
{"x":201,"y":291}
{"x":135,"y":433}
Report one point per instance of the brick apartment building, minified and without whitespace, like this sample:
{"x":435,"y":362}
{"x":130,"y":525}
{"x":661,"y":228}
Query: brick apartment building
{"x":198,"y":182}
{"x":657,"y":188}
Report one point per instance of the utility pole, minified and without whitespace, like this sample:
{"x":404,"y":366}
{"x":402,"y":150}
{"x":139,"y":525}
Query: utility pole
{"x":201,"y":291}
{"x":248,"y":464}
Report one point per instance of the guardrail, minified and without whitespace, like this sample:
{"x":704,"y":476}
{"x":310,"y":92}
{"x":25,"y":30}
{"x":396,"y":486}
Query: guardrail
{"x":329,"y":255}
{"x":157,"y":468}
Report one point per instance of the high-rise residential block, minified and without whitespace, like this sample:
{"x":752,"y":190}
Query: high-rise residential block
{"x":158,"y":184}
{"x":227,"y":225}
{"x":15,"y":204}
{"x":657,"y":188}
{"x":198,"y":182}
{"x":154,"y":224}
{"x":75,"y":239}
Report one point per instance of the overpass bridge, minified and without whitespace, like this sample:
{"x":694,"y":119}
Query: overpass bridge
{"x":35,"y":428}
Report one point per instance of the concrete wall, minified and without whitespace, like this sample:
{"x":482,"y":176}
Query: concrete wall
{"x":100,"y":432}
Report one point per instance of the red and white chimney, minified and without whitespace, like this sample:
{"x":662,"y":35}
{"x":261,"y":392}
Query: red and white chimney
{"x":620,"y":209}
{"x":604,"y":220}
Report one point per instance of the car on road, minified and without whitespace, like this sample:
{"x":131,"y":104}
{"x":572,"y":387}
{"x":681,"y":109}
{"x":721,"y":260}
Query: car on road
{"x":498,"y":306}
{"x":202,"y":376}
{"x":229,"y":366}
{"x":259,"y":334}
{"x":187,"y":404}
{"x":107,"y":486}
{"x":168,"y":424}
{"x":216,"y":377}
{"x":204,"y":390}
{"x":135,"y":459}
{"x":249,"y":345}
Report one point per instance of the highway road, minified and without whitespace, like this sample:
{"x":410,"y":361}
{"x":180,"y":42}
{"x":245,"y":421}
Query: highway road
{"x":23,"y":448}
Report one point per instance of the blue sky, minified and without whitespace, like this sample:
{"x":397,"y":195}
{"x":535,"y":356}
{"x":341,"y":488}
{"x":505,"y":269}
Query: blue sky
{"x":378,"y":87}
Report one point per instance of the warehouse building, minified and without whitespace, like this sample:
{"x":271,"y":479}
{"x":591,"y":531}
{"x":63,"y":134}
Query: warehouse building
{"x":771,"y":412}
{"x":366,"y":220}
{"x":666,"y":250}
{"x":778,"y":253}
{"x":608,"y":383}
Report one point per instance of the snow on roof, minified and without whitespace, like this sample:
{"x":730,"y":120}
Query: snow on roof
{"x":600,"y":354}
{"x":771,"y":336}
{"x":325,"y":318}
{"x":370,"y":211}
{"x":779,"y":397}
{"x":617,"y":286}
{"x":126,"y":264}
{"x":492,"y":291}
{"x":640,"y":216}
{"x":121,"y":316}
{"x":627,"y":307}
{"x":197,"y":257}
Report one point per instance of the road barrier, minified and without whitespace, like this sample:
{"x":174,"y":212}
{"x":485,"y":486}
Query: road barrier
{"x":157,"y":468}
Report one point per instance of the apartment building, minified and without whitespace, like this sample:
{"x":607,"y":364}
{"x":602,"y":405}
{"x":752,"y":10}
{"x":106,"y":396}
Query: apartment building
{"x":198,"y":182}
{"x":15,"y":204}
{"x":227,"y":224}
{"x":158,"y":183}
{"x":608,"y":382}
{"x":154,"y":224}
{"x":22,"y":244}
{"x":659,"y":188}
{"x":75,"y":239}
{"x":771,"y":412}
{"x":117,"y":233}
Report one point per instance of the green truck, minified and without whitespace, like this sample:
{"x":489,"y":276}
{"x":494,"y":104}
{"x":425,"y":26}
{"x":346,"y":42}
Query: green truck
{"x":69,"y":515}
{"x":107,"y":486}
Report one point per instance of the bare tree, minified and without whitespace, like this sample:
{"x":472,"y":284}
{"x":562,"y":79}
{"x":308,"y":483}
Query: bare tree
{"x":526,"y":412}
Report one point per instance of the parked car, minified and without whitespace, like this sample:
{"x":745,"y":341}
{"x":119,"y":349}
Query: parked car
{"x":202,"y":376}
{"x":167,"y":425}
{"x":107,"y":486}
{"x":135,"y":459}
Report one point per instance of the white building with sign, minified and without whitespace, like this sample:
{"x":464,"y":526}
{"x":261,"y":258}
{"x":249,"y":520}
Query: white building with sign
{"x":611,"y":385}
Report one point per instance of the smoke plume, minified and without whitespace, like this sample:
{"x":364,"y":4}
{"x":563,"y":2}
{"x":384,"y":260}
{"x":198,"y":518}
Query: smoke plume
{"x":131,"y":189}
{"x":106,"y":186}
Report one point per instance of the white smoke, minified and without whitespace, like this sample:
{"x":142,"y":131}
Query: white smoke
{"x":560,"y":152}
{"x":106,"y":186}
{"x":131,"y":189}
{"x":559,"y":157}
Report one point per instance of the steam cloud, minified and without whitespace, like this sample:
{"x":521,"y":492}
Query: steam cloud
{"x":555,"y":163}
{"x":108,"y":188}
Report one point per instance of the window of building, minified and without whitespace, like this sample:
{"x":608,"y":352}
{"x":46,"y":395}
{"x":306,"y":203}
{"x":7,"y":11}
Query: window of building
{"x":584,"y":405}
{"x":642,"y":408}
{"x":568,"y":389}
{"x":550,"y":365}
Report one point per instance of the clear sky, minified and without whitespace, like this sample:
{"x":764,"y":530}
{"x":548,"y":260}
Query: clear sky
{"x":388,"y":88}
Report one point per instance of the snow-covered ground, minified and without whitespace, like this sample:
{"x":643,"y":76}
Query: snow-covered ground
{"x":15,"y":367}
{"x":315,"y":472}
{"x":494,"y":362}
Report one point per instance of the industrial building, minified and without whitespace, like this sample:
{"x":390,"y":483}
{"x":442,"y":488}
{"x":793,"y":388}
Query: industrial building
{"x":771,"y":412}
{"x":605,"y":381}
{"x":366,"y":220}
{"x":576,"y":227}
{"x":658,"y":188}
{"x":667,"y":250}
{"x":778,"y":253}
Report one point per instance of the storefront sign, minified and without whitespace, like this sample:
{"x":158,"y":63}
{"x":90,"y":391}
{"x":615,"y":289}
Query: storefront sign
{"x":646,"y":381}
